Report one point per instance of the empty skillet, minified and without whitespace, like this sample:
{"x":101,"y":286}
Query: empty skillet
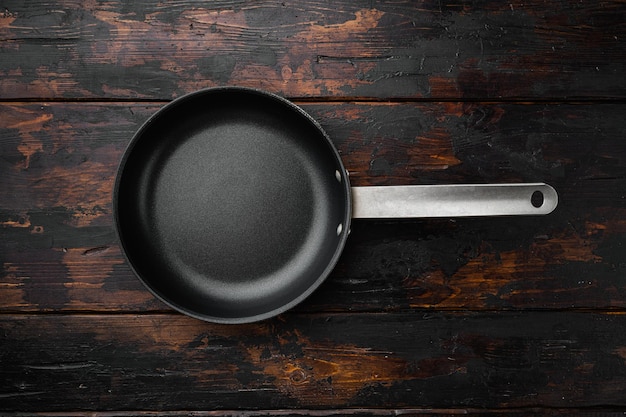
{"x":232,"y":205}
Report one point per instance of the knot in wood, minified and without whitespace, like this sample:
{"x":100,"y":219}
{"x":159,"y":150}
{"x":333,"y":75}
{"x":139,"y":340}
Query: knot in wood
{"x":297,"y":376}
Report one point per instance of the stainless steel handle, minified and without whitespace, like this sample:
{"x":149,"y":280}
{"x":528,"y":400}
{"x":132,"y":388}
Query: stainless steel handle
{"x":463,"y":200}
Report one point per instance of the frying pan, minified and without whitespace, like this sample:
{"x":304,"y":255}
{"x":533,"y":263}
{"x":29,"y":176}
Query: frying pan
{"x":232,"y":204}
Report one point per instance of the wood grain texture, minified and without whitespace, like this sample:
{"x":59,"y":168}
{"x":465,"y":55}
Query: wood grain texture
{"x":59,"y":250}
{"x":349,"y":412}
{"x":480,"y":317}
{"x":431,"y":49}
{"x":158,"y":362}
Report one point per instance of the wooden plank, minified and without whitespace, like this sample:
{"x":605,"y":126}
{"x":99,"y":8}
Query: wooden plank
{"x":408,"y":360}
{"x":351,"y":412}
{"x":58,"y":249}
{"x":433,"y":49}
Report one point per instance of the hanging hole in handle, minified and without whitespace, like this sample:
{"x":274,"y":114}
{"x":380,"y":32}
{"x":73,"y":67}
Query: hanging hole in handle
{"x":537,"y":199}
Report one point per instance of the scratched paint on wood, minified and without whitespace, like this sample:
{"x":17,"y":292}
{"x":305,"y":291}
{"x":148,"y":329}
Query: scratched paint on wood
{"x":394,"y":360}
{"x":430,"y":49}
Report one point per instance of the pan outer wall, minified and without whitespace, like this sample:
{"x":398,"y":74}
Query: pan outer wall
{"x":232,"y":205}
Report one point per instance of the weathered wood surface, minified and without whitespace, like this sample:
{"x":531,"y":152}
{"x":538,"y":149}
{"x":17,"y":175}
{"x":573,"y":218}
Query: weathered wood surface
{"x":59,"y":250}
{"x":356,"y":412}
{"x":496,"y":316}
{"x":359,"y":412}
{"x":455,"y":360}
{"x":433,"y":49}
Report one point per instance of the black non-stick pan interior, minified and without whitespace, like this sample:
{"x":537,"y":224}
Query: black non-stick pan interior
{"x":231,"y":205}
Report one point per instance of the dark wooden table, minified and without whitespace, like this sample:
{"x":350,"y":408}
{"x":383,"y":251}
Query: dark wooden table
{"x":507,"y":316}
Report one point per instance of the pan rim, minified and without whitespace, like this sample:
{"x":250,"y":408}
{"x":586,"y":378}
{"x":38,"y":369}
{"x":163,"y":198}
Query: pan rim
{"x":292,"y":110}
